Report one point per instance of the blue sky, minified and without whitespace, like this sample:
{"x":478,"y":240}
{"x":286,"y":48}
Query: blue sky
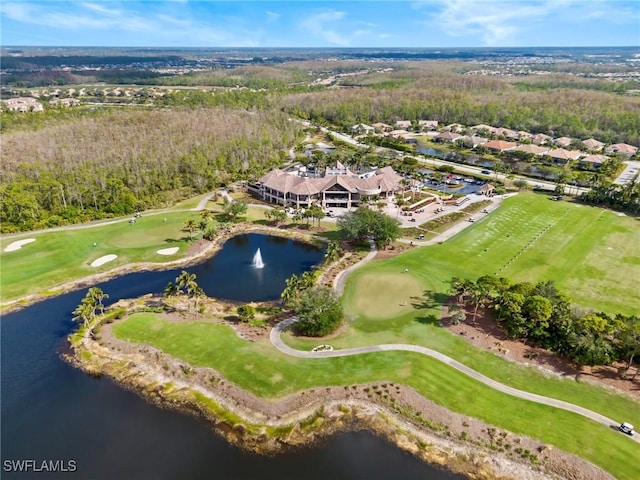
{"x":301,"y":23}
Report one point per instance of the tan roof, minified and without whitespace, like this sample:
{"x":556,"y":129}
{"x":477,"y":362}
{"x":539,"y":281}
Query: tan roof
{"x":500,"y":145}
{"x":449,"y":136}
{"x":385,"y":179}
{"x":593,"y":144}
{"x":534,"y":149}
{"x":598,"y":159}
{"x":540,"y":138}
{"x":563,"y":141}
{"x":623,"y":148}
{"x":562,"y":154}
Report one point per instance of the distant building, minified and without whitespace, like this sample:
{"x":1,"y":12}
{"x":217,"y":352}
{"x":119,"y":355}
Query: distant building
{"x":428,"y":125}
{"x":563,"y":141}
{"x":362,"y":129}
{"x":403,"y":124}
{"x":594,"y":160}
{"x":447,"y":137}
{"x":382,"y":127}
{"x":622,"y":148}
{"x":593,"y":145}
{"x":22,"y":104}
{"x":471,"y":141}
{"x":560,"y":155}
{"x":500,"y":145}
{"x":541,"y":139}
{"x":64,"y":102}
{"x":532,"y":149}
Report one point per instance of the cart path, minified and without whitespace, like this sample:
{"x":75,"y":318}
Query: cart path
{"x":277,"y":342}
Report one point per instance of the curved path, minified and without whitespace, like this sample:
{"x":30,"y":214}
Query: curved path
{"x":277,"y":342}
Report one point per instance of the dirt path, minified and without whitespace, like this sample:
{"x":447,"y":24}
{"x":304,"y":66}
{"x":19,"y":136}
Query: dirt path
{"x":277,"y":342}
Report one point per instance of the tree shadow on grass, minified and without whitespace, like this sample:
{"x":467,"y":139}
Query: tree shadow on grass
{"x":429,"y":300}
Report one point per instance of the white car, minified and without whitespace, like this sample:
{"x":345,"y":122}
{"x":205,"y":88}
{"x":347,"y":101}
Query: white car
{"x":626,"y":428}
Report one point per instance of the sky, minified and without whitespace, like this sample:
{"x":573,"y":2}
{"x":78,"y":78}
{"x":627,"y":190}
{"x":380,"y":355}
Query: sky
{"x":302,"y":23}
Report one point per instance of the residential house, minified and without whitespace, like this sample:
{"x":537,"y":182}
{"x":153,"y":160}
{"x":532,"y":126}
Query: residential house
{"x":403,"y":124}
{"x":397,"y":134}
{"x":428,"y":125}
{"x":524,"y":136}
{"x":454,"y":127}
{"x":593,"y":145}
{"x":447,"y":137}
{"x":382,"y":127}
{"x":22,"y":104}
{"x":560,"y":155}
{"x":563,"y":141}
{"x":65,"y":102}
{"x":622,"y":148}
{"x":500,"y":145}
{"x":483,"y":129}
{"x":471,"y":141}
{"x":343,"y":189}
{"x":532,"y":149}
{"x":506,"y":133}
{"x":541,"y":139}
{"x":594,"y":160}
{"x":362,"y":129}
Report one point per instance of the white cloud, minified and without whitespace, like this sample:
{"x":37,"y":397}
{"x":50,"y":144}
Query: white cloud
{"x":499,"y":22}
{"x":166,"y":26}
{"x":496,"y":22}
{"x":325,"y":25}
{"x":100,"y":9}
{"x":272,"y":16}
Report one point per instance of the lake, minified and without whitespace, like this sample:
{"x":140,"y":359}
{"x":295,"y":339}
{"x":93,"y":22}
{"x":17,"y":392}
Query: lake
{"x":51,"y":411}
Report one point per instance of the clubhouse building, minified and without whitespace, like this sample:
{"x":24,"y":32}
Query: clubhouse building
{"x":337,"y":188}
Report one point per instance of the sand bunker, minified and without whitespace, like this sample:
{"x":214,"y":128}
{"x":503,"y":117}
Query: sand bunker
{"x":102,"y":260}
{"x":17,"y":245}
{"x":168,"y":251}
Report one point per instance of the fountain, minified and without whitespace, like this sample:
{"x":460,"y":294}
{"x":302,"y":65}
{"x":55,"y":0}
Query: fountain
{"x":257,"y":260}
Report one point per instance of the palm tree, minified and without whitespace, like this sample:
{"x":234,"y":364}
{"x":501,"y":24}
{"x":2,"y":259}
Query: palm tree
{"x":333,"y":252}
{"x":190,"y":226}
{"x":206,"y":214}
{"x":85,"y":312}
{"x":96,"y":297}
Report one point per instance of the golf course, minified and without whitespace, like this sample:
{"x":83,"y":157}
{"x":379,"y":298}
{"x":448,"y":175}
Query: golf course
{"x":586,"y":251}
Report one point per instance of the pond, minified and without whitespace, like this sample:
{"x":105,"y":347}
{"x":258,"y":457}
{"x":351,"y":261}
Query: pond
{"x":51,"y":411}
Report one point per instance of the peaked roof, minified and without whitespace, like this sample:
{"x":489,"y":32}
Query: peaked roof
{"x":500,"y":145}
{"x":562,"y":154}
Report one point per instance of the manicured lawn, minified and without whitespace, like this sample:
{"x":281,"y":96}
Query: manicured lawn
{"x":258,"y":367}
{"x":585,"y":250}
{"x":61,"y":256}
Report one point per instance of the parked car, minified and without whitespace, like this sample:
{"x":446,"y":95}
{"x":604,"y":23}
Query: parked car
{"x":626,"y":428}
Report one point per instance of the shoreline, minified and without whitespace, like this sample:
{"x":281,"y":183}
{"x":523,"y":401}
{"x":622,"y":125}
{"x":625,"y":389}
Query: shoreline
{"x":198,"y":251}
{"x":268,"y":426}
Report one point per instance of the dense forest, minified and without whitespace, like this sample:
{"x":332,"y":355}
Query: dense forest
{"x":118,"y":162}
{"x":469,"y":100}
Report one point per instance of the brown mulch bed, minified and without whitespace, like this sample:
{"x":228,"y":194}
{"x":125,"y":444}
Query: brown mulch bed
{"x":487,"y":334}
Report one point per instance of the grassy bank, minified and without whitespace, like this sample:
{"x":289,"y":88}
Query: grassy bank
{"x":262,"y":370}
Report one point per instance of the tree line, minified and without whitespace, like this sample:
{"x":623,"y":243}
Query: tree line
{"x":542,"y":315}
{"x":117,"y":163}
{"x":468,"y":100}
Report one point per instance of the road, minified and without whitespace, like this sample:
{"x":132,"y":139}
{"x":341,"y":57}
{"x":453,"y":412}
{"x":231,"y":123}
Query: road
{"x":276,"y":341}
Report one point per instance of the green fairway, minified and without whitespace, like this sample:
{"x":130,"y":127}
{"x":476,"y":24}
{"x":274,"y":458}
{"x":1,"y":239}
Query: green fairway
{"x":586,"y":251}
{"x":60,"y":256}
{"x":268,"y":373}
